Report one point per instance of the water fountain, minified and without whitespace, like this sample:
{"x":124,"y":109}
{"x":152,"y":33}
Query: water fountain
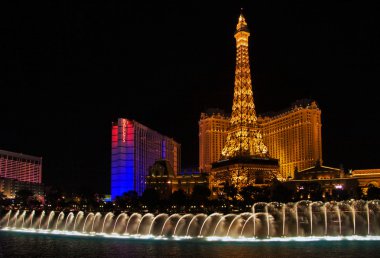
{"x":133,"y":216}
{"x":184,"y":222}
{"x":167,"y":221}
{"x":266,"y":221}
{"x":108,"y":215}
{"x":59,"y":219}
{"x":69,"y":219}
{"x":78,"y":218}
{"x":196,"y":219}
{"x":51,"y":216}
{"x":90,"y":215}
{"x":121,"y":215}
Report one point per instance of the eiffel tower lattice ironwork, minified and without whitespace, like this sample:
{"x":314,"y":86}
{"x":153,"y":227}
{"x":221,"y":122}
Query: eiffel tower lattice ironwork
{"x":244,"y":138}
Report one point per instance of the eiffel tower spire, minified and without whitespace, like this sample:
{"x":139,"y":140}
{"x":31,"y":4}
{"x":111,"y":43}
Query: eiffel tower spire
{"x":244,"y":137}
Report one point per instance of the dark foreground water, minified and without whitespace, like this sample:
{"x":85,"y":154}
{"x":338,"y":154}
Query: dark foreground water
{"x":18,"y":244}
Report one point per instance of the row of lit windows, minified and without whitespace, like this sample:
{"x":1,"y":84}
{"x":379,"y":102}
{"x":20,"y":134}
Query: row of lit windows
{"x":18,"y":159}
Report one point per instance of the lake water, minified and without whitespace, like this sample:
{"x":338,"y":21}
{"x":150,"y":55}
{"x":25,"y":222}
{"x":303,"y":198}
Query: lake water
{"x":22,"y":244}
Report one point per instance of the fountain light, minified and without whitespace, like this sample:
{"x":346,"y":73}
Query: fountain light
{"x":301,"y":221}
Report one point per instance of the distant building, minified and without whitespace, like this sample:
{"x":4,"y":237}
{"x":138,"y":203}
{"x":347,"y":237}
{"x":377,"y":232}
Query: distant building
{"x":323,"y":179}
{"x":367,"y":177}
{"x":319,"y":172}
{"x":213,"y":127}
{"x":160,"y":178}
{"x":186,"y":180}
{"x":163,"y":179}
{"x":330,"y":179}
{"x":294,"y":136}
{"x":19,"y":171}
{"x":135,"y":148}
{"x":21,"y":167}
{"x":9,"y":187}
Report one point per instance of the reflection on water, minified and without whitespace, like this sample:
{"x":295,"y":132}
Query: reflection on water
{"x":21,"y":244}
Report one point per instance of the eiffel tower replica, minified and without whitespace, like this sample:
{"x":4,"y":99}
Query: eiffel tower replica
{"x":245,"y":159}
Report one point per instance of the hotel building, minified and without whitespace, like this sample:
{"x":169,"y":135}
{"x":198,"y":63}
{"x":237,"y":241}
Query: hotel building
{"x":20,"y":166}
{"x":19,"y":171}
{"x":293,"y":136}
{"x":135,"y":148}
{"x":162,"y":178}
{"x":9,"y":187}
{"x":213,"y":127}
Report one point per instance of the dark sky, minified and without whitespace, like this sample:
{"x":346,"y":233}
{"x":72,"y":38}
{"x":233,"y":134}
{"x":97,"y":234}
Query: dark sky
{"x":69,"y":69}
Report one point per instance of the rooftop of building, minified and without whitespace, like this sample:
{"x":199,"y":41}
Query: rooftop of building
{"x":319,"y":169}
{"x":115,"y":123}
{"x":296,"y":105}
{"x":161,"y":167}
{"x":214,"y":112}
{"x":366,"y":172}
{"x":20,"y":155}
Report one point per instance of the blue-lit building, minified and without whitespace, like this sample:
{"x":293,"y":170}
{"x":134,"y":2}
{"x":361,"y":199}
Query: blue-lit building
{"x":135,"y":148}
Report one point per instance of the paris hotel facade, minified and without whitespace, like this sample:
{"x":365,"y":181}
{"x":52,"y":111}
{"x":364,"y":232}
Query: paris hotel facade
{"x":293,"y":136}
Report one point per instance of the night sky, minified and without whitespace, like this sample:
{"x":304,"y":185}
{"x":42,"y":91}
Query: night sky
{"x":69,"y":69}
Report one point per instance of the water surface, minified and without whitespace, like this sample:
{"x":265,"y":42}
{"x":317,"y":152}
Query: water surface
{"x":19,"y":244}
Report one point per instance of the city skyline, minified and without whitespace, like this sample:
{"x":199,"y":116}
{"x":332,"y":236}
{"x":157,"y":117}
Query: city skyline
{"x":72,"y":69}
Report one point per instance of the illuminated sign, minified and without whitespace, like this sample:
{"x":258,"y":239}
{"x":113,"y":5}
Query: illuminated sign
{"x":124,"y":129}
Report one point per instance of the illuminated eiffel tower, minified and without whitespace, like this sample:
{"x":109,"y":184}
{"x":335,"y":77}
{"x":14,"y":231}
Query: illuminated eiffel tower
{"x":245,"y":158}
{"x":244,"y":137}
